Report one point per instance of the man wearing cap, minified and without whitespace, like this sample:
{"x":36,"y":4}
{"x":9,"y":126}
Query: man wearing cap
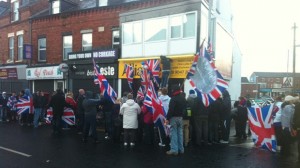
{"x":296,"y":122}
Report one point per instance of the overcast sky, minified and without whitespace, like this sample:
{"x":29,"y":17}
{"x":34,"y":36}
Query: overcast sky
{"x":264,"y":32}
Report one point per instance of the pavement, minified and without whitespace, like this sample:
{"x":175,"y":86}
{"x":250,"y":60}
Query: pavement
{"x":27,"y":147}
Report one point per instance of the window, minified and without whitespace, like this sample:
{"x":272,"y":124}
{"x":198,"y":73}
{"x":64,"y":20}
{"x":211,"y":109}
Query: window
{"x":87,"y":41}
{"x":11,"y":48}
{"x":176,"y":26}
{"x":116,"y":37}
{"x":55,"y":7}
{"x":183,"y":25}
{"x":42,"y":49}
{"x":15,"y":11}
{"x":67,"y":46}
{"x":156,"y":29}
{"x":20,"y":47}
{"x":103,"y":2}
{"x":132,"y":33}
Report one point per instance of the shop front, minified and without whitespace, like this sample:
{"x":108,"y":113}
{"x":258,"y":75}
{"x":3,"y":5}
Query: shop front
{"x":46,"y":79}
{"x":180,"y":65}
{"x":81,"y":69}
{"x":13,"y":78}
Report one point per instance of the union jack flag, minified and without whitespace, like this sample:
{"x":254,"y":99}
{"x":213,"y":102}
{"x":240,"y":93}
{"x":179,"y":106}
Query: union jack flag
{"x":153,"y":67}
{"x":145,"y":78}
{"x":68,"y":116}
{"x":212,"y":87}
{"x":154,"y":105}
{"x":104,"y":86}
{"x":262,"y":129}
{"x":140,"y":93}
{"x":24,"y":105}
{"x":129,"y":75}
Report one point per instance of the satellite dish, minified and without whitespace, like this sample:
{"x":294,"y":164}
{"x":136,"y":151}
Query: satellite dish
{"x":63,"y":67}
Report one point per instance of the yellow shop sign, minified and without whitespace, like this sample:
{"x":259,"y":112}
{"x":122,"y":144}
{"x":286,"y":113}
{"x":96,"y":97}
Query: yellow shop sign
{"x":180,"y":65}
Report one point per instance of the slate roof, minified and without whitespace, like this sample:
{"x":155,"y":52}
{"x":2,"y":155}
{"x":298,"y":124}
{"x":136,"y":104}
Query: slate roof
{"x":4,"y":7}
{"x":244,"y":80}
{"x":275,"y":74}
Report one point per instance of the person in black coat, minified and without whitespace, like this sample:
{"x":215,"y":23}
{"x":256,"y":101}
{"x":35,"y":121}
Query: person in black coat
{"x":57,"y":103}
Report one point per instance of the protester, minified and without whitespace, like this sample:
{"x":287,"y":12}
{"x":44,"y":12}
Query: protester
{"x":226,"y":117}
{"x":90,"y":111}
{"x":241,"y":119}
{"x":44,"y":106}
{"x":186,"y":123}
{"x":11,"y":104}
{"x":296,"y":123}
{"x":57,"y":103}
{"x":3,"y":106}
{"x":148,"y":126}
{"x":117,"y":121}
{"x":165,"y":99}
{"x":80,"y":111}
{"x":73,"y":104}
{"x":214,"y":116}
{"x":193,"y":105}
{"x":107,"y":108}
{"x":276,"y":112}
{"x":38,"y":105}
{"x":286,"y":118}
{"x":130,"y":111}
{"x":174,"y":118}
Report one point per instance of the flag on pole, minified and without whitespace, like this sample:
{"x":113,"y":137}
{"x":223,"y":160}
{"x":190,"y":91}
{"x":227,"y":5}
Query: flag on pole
{"x":140,"y":93}
{"x":129,"y":75}
{"x":262,"y":129}
{"x":145,"y":78}
{"x":205,"y":79}
{"x":153,"y":67}
{"x":104,"y":86}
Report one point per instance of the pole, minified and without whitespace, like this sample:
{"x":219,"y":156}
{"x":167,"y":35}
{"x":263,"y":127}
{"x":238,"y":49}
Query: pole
{"x":294,"y":58}
{"x":209,"y":19}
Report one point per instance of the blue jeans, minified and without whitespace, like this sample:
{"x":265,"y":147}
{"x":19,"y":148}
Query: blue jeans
{"x":3,"y":114}
{"x":176,"y":134}
{"x":37,"y":114}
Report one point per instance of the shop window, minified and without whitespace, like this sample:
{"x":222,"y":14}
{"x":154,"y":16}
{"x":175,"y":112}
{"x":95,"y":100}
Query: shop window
{"x":132,"y":32}
{"x":20,"y":47}
{"x":11,"y":48}
{"x":87,"y":40}
{"x":157,"y":32}
{"x":42,"y":46}
{"x":67,"y":46}
{"x":55,"y":7}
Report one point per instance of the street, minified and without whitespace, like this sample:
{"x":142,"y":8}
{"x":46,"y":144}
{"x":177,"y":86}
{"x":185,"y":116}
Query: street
{"x":26,"y":147}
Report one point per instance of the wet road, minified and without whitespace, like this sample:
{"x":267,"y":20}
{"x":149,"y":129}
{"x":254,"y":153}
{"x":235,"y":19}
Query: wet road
{"x":25,"y":147}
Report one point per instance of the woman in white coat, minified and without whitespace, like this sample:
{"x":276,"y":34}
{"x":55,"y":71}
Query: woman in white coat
{"x":130,"y":111}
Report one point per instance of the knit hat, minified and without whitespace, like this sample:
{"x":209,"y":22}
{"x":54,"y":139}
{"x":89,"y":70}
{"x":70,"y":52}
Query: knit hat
{"x":192,"y":91}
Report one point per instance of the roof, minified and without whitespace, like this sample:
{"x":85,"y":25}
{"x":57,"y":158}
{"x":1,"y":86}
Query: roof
{"x":275,"y":74}
{"x":244,"y":80}
{"x":4,"y":7}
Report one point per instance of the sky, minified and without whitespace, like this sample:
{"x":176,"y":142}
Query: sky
{"x":263,"y":29}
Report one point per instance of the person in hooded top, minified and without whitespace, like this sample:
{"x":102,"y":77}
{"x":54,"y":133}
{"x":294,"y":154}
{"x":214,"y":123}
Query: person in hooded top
{"x":90,"y":111}
{"x":165,"y":99}
{"x":130,"y":111}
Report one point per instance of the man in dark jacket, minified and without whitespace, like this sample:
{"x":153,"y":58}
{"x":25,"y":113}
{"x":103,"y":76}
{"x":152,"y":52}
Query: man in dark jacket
{"x":57,"y":103}
{"x":38,"y":105}
{"x":90,"y":110}
{"x":226,"y":117}
{"x":3,"y":106}
{"x":80,"y":111}
{"x":177,"y":108}
{"x":296,"y":124}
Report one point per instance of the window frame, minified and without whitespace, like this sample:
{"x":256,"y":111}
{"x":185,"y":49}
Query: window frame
{"x":132,"y":25}
{"x":11,"y":42}
{"x":43,"y":49}
{"x":20,"y":47}
{"x":113,"y":37}
{"x":65,"y":57}
{"x":157,"y":18}
{"x":54,"y":8}
{"x":16,"y":14}
{"x":84,"y":46}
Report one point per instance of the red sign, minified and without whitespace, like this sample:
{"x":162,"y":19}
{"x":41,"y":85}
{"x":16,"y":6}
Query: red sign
{"x":8,"y":73}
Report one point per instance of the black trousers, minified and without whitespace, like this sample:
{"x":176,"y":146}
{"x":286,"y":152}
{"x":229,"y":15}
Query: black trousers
{"x":129,"y":135}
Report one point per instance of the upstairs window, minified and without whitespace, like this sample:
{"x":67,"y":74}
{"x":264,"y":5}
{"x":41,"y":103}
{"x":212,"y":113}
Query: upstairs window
{"x":55,"y":7}
{"x":11,"y":48}
{"x":42,"y":46}
{"x":116,"y":37}
{"x":87,"y":41}
{"x":103,"y":2}
{"x":15,"y":6}
{"x":67,"y":46}
{"x":132,"y":33}
{"x":20,"y":47}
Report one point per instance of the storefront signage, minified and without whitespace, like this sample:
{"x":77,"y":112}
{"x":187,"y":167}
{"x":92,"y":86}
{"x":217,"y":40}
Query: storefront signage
{"x":93,"y":54}
{"x":8,"y":73}
{"x":51,"y":72}
{"x":180,"y":65}
{"x":87,"y":71}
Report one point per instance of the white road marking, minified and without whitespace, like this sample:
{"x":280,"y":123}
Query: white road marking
{"x":14,"y":151}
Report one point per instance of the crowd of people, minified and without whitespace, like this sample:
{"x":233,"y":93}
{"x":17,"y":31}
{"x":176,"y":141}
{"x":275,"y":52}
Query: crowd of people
{"x":128,"y":120}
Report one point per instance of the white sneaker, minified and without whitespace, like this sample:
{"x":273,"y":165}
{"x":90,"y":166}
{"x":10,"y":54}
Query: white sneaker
{"x":132,"y":144}
{"x":125,"y":143}
{"x":161,"y":144}
{"x":224,"y":142}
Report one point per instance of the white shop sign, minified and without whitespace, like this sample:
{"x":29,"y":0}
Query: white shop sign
{"x":51,"y":72}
